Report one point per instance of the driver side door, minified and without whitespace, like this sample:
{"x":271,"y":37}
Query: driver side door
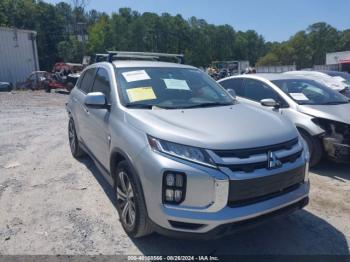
{"x":255,"y":90}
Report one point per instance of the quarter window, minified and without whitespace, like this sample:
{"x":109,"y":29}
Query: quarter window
{"x":102,"y":83}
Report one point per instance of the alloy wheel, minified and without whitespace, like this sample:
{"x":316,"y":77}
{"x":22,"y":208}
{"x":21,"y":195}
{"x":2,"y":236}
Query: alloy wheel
{"x":126,"y":200}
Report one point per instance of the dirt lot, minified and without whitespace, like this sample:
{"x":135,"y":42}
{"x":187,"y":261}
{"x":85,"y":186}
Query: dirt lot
{"x":51,"y":203}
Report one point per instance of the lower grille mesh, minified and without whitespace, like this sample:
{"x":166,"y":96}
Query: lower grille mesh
{"x":243,"y":192}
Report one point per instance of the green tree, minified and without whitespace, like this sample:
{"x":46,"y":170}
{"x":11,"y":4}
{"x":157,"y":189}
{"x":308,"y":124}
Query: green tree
{"x":99,"y":36}
{"x":322,"y":39}
{"x":70,"y":50}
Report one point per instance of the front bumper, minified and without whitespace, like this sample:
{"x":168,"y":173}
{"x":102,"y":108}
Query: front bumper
{"x":336,"y":150}
{"x":234,"y":227}
{"x":205,"y":208}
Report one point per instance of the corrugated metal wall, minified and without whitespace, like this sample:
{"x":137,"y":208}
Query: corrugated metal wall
{"x":18,"y":54}
{"x":275,"y":69}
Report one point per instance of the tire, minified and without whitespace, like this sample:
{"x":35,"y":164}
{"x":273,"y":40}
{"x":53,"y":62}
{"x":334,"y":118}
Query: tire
{"x":74,"y":143}
{"x":130,"y":202}
{"x":315,"y":148}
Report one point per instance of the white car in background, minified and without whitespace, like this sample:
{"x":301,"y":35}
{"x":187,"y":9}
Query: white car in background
{"x":320,"y":114}
{"x":336,"y":83}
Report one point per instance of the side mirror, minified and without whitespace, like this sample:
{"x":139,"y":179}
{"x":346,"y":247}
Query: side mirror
{"x":232,"y":92}
{"x":269,"y":102}
{"x":96,"y":100}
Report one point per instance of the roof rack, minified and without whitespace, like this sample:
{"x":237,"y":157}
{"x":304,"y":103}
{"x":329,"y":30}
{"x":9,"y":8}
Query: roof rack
{"x":114,"y":55}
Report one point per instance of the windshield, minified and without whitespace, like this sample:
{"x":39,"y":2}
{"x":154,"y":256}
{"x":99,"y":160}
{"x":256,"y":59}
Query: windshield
{"x":170,"y":88}
{"x":309,"y":92}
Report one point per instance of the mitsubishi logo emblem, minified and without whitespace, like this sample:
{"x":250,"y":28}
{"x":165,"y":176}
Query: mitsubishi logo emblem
{"x":272,"y":161}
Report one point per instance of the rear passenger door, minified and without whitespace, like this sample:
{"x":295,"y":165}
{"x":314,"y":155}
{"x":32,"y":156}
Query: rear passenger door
{"x":98,"y":135}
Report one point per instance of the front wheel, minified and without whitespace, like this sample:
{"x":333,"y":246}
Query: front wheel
{"x":130,"y":204}
{"x":315,"y":148}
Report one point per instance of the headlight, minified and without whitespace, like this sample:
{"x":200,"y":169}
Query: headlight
{"x":189,"y":153}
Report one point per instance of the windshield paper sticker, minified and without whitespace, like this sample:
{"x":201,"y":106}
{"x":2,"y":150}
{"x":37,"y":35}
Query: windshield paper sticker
{"x":299,"y":96}
{"x":138,"y":75}
{"x":176,"y":84}
{"x":140,"y":94}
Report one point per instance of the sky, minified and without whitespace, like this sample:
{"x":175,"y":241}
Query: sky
{"x":276,"y":20}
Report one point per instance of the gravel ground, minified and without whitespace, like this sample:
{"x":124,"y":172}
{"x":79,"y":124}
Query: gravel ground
{"x":51,"y":203}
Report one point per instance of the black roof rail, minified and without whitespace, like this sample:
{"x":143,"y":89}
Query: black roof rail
{"x":114,"y":55}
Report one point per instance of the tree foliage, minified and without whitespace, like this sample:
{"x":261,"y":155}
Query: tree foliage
{"x":309,"y":47}
{"x":58,"y":26}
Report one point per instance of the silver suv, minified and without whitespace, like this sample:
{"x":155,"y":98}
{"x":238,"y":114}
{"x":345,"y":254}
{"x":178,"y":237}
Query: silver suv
{"x":183,"y":156}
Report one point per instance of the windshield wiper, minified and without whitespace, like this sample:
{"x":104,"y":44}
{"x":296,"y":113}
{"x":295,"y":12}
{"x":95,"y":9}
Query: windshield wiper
{"x":209,"y":104}
{"x":146,"y":106}
{"x":142,"y":106}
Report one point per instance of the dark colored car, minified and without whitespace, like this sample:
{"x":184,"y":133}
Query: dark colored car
{"x":5,"y":87}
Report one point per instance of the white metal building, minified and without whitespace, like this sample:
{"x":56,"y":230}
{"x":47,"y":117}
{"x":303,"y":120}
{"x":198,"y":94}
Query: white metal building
{"x":18,"y":54}
{"x":338,"y":58}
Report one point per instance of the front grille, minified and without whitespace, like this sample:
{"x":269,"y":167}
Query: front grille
{"x":247,"y":152}
{"x":244,"y":192}
{"x":251,"y":167}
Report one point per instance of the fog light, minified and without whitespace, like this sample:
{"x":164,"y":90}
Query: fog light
{"x":174,"y":187}
{"x":170,"y":179}
{"x":179,"y":180}
{"x":169,"y":195}
{"x":178,"y":195}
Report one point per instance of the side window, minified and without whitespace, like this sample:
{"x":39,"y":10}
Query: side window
{"x":257,"y":90}
{"x":235,"y":84}
{"x":87,"y":80}
{"x":102,"y":83}
{"x":80,"y":79}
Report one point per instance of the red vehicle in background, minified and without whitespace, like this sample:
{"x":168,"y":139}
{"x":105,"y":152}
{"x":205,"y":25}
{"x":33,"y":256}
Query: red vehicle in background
{"x":64,"y":76}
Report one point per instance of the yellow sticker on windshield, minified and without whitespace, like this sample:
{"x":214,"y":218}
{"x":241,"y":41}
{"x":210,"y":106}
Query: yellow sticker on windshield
{"x":140,"y":94}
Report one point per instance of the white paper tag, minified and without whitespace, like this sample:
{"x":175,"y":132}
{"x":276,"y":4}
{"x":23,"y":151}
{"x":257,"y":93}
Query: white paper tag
{"x":299,"y":96}
{"x":176,"y":84}
{"x":138,"y":75}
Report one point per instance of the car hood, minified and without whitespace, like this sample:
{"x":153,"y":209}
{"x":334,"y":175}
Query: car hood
{"x":229,"y":127}
{"x":340,"y":113}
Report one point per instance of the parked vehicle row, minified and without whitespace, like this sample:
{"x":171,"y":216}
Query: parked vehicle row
{"x":320,"y":113}
{"x":183,"y":155}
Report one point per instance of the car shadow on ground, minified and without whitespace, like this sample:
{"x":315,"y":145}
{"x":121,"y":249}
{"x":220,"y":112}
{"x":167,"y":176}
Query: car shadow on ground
{"x":331,"y":169}
{"x":89,"y":163}
{"x":299,"y":233}
{"x":62,"y":92}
